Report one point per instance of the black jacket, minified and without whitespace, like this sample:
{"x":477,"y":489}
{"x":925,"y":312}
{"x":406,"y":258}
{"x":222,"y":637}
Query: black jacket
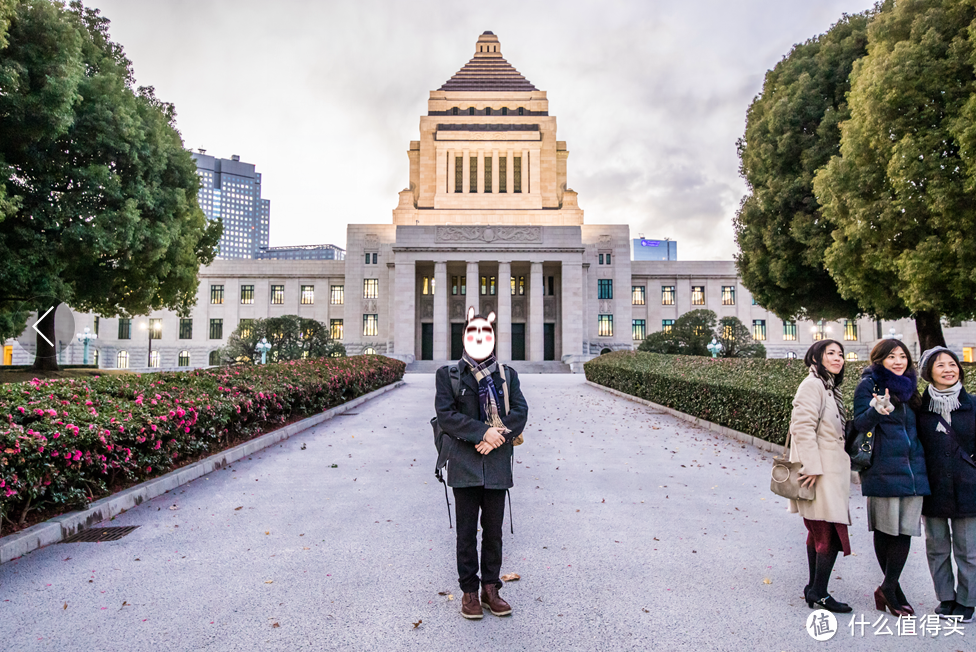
{"x":466,"y":467}
{"x":898,"y":461}
{"x":952,"y":471}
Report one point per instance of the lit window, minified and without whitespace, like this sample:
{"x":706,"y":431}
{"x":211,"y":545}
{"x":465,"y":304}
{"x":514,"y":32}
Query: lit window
{"x":605,"y":325}
{"x":491,"y":285}
{"x":454,"y":285}
{"x":667,"y":295}
{"x":728,"y":295}
{"x":184,"y":359}
{"x":698,"y":295}
{"x":122,"y":360}
{"x":605,"y":288}
{"x":967,"y":354}
{"x":851,"y":356}
{"x":335,"y":329}
{"x":513,"y":286}
{"x":371,"y":288}
{"x":521,"y":287}
{"x":371,"y":325}
{"x":426,"y":289}
{"x":464,"y":285}
{"x":247,"y":294}
{"x":789,"y":331}
{"x":791,"y":355}
{"x":637,"y":295}
{"x":640,"y":329}
{"x":759,"y":330}
{"x":667,"y":325}
{"x":308,"y":295}
{"x":336,"y":293}
{"x":245,"y":328}
{"x":850,"y":330}
{"x":154,"y":359}
{"x":216,"y":294}
{"x":155,"y":329}
{"x":818,"y":331}
{"x":484,"y":285}
{"x":277,"y":295}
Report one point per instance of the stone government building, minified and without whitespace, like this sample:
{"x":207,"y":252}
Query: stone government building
{"x":486,"y":220}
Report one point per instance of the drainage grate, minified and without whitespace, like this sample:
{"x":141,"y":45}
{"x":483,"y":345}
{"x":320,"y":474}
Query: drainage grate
{"x":97,"y":535}
{"x":347,"y":414}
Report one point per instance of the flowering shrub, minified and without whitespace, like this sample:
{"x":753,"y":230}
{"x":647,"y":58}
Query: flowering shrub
{"x":66,"y":442}
{"x":754,"y":396}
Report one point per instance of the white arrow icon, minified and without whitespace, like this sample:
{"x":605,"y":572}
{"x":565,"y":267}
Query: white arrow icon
{"x":34,"y":326}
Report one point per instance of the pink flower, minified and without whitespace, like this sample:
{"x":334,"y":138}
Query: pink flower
{"x":77,"y":456}
{"x":148,"y":469}
{"x":54,"y":454}
{"x":40,"y":449}
{"x":153,"y":426}
{"x":158,"y":444}
{"x":139,"y":400}
{"x":57,"y":434}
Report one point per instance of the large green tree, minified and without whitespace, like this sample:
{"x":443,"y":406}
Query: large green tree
{"x":792,"y":131}
{"x":736,"y":340}
{"x":105,"y":211}
{"x":291,"y":338}
{"x":690,"y":335}
{"x":900,"y":194}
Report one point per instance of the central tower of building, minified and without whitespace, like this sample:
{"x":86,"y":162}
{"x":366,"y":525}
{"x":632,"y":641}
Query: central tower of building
{"x":488,"y":152}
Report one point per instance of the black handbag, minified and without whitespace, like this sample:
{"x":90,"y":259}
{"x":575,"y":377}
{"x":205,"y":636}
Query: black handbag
{"x":860,"y":447}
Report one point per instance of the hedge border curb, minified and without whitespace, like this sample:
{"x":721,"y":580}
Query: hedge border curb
{"x":61,"y":527}
{"x":761,"y":444}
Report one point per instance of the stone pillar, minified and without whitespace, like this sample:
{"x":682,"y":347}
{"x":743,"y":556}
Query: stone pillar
{"x":535,"y":174}
{"x":473,"y":297}
{"x":442,"y":350}
{"x":451,"y":154}
{"x":494,"y":171}
{"x":510,"y":172}
{"x":584,"y":316}
{"x":481,"y":171}
{"x":440,"y":166}
{"x":536,"y":298}
{"x":526,"y":186}
{"x":405,"y":316}
{"x":466,"y":171}
{"x":572,"y":305}
{"x":503,"y":314}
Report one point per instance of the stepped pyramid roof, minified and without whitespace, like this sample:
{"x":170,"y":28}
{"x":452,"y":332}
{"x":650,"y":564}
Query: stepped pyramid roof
{"x":488,"y":71}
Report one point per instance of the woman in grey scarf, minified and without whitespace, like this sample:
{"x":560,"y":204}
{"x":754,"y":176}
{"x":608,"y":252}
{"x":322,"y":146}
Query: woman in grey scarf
{"x":947,"y":430}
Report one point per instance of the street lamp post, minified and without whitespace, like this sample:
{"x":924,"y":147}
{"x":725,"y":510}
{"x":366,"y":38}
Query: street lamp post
{"x":86,"y":338}
{"x":714,"y":348}
{"x":148,"y":327}
{"x":263,"y":347}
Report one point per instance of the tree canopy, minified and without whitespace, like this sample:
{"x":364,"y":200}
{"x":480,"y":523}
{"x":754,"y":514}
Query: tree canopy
{"x":98,"y":197}
{"x":690,"y":335}
{"x":791,"y":132}
{"x":291,"y":338}
{"x":736,"y":340}
{"x":901,"y":192}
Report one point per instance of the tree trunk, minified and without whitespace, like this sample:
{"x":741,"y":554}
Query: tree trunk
{"x":928,"y":325}
{"x":46,"y":356}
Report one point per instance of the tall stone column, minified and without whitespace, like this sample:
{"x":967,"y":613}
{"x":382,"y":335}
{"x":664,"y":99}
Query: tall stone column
{"x":405,"y":316}
{"x":536,"y":298}
{"x":503,"y":314}
{"x":451,"y":175}
{"x":584,"y":313}
{"x":473,"y":297}
{"x":441,"y":292}
{"x":572,"y":306}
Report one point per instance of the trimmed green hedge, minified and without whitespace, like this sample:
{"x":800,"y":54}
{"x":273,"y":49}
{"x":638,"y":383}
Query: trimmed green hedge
{"x":754,"y":396}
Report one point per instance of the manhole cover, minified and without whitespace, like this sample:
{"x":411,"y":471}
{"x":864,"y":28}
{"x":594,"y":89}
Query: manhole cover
{"x":97,"y":535}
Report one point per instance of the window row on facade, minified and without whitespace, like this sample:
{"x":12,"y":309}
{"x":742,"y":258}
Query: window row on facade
{"x":488,"y":173}
{"x":488,"y":111}
{"x":759,"y":334}
{"x":459,"y":285}
{"x":307,"y":293}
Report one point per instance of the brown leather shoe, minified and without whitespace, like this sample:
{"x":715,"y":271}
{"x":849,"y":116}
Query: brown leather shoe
{"x":493,"y":601}
{"x":470,"y":607}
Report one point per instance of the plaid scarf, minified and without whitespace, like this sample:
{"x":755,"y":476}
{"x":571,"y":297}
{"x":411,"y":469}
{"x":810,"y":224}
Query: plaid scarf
{"x":829,"y":384}
{"x":487,"y":394}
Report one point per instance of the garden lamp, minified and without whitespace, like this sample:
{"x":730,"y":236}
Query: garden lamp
{"x":714,"y":348}
{"x":86,"y":338}
{"x":263,"y":347}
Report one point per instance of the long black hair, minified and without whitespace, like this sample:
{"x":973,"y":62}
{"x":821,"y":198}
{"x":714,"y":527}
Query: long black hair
{"x":814,"y":357}
{"x":881,"y":351}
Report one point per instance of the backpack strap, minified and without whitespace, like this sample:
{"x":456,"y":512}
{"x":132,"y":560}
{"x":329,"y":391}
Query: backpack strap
{"x":508,"y":380}
{"x":455,"y":373}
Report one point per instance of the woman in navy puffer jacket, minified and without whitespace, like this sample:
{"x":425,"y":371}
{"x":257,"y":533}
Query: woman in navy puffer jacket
{"x":885,"y":403}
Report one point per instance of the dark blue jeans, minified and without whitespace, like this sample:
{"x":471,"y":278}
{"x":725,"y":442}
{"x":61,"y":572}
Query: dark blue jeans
{"x":468,"y":502}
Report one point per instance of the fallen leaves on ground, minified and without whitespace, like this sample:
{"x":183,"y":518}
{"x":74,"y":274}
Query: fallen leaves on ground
{"x":173,"y":507}
{"x":767,"y":581}
{"x":417,"y":624}
{"x":65,"y":605}
{"x":269,"y":582}
{"x":511,"y":577}
{"x":237,"y":509}
{"x":275,"y":626}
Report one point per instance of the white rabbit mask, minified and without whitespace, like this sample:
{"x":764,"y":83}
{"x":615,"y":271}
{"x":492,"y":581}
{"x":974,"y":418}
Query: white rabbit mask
{"x":479,"y":336}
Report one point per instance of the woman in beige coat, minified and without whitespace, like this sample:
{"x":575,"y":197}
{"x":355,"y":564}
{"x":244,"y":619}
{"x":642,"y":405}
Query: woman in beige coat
{"x":817,"y":431}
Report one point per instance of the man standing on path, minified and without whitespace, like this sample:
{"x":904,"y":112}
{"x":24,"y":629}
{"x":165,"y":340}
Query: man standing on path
{"x":483,"y":419}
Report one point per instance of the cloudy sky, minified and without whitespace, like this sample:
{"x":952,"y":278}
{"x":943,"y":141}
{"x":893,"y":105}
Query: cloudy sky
{"x":324,"y":96}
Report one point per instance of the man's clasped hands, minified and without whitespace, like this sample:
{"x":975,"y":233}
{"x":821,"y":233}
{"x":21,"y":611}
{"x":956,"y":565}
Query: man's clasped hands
{"x":492,"y":440}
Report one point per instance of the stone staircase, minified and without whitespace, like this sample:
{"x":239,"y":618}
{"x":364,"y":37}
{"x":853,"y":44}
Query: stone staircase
{"x":521,"y":366}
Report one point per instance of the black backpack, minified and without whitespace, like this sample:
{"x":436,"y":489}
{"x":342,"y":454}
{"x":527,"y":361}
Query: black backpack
{"x":439,"y":442}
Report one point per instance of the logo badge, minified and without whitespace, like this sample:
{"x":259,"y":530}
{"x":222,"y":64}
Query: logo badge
{"x":821,"y":625}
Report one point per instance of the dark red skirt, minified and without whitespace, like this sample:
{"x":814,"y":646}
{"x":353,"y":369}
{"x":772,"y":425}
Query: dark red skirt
{"x":828,"y":536}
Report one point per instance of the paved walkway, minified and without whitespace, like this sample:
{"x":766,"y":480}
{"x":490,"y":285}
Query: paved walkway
{"x":633,"y":530}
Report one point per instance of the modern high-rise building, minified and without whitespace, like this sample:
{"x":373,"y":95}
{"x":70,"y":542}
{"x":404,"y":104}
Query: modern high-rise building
{"x":645,"y":249}
{"x":303,"y":252}
{"x":231,"y":191}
